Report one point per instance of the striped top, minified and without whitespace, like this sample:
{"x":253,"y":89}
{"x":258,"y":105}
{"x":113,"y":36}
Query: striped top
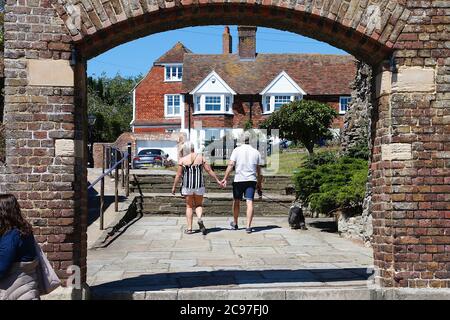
{"x":193,"y":177}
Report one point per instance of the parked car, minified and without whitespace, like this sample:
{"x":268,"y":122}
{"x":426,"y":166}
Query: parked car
{"x":150,"y":158}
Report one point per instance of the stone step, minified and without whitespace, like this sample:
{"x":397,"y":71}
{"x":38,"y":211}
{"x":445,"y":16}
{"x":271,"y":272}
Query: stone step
{"x":356,"y":292}
{"x":281,"y":185}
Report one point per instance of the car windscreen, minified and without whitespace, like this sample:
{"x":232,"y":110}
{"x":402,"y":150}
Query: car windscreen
{"x":150,"y":152}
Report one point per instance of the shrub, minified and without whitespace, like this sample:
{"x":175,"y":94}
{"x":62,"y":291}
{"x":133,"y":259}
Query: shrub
{"x":333,"y":184}
{"x":360,"y":151}
{"x":317,"y":159}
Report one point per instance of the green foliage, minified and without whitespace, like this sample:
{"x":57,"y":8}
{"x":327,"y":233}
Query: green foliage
{"x":329,"y":185}
{"x":359,"y":150}
{"x":320,"y":158}
{"x":110,"y":100}
{"x":304,"y":121}
{"x":248,"y":125}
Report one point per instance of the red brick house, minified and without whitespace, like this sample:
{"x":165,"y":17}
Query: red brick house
{"x":229,"y":91}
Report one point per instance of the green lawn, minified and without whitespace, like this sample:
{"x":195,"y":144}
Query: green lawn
{"x":289,"y":161}
{"x":293,"y":159}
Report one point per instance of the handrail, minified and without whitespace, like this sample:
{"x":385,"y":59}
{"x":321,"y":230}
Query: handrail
{"x":124,"y":157}
{"x":125,"y":162}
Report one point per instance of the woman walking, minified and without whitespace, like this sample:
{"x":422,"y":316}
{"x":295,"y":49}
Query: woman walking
{"x":18,"y":257}
{"x":190,"y":170}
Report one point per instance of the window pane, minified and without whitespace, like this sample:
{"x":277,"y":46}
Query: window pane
{"x":344,"y":104}
{"x":267,"y":104}
{"x":227,"y":104}
{"x":168,"y":74}
{"x":197,"y":104}
{"x":180,"y":72}
{"x":212,"y":134}
{"x":213,"y":103}
{"x":281,"y":101}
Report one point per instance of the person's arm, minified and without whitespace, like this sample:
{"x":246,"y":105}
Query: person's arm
{"x":8,"y":251}
{"x":230,"y":168}
{"x":259,"y":177}
{"x":211,"y":172}
{"x":177,"y":178}
{"x":259,"y":174}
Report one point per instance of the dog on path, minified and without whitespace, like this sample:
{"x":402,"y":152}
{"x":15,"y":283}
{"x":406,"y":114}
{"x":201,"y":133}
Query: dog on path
{"x":296,"y":218}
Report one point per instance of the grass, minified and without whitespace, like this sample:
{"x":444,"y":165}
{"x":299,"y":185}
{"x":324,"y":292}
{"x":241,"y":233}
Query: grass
{"x":288,"y":161}
{"x":294,"y":158}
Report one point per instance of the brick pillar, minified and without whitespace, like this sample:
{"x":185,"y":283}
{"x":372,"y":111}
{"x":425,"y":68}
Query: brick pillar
{"x":45,"y":132}
{"x":411,"y":203}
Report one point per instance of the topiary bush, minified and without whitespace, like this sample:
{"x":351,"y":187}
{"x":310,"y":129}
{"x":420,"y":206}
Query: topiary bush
{"x":328,"y":185}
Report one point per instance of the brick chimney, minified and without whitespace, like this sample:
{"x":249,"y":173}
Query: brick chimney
{"x":227,"y":41}
{"x":247,"y":42}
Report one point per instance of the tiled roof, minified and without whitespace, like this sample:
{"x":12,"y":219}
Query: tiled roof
{"x":174,"y":55}
{"x":314,"y":73}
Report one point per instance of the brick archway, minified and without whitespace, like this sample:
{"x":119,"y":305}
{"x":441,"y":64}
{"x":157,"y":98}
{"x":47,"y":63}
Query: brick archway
{"x":48,"y":43}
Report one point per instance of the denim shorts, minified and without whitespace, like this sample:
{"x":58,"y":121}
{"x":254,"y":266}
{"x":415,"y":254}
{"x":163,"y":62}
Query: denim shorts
{"x":244,"y":190}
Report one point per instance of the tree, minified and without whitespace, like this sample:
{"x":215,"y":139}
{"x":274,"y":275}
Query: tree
{"x":110,"y":100}
{"x":304,"y":121}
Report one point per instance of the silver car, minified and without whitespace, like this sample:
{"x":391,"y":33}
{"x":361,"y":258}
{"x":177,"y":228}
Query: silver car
{"x":150,"y":158}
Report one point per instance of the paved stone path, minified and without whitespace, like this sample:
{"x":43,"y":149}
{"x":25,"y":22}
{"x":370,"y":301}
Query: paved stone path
{"x":154,"y":254}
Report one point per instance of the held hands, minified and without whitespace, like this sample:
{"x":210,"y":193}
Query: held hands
{"x":223,"y":183}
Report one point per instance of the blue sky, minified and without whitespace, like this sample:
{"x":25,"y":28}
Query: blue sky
{"x":136,"y":57}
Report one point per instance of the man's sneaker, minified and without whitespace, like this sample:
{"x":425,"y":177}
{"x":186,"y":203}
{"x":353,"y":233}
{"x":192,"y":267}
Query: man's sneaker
{"x":233,"y":226}
{"x":249,"y":230}
{"x":202,"y":227}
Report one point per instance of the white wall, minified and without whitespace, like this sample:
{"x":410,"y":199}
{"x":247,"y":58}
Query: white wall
{"x":283,"y":86}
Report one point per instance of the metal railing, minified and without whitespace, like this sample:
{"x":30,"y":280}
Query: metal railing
{"x":112,"y":162}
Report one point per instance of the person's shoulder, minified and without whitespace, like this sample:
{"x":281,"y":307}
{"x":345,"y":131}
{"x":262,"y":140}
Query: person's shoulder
{"x":12,"y":235}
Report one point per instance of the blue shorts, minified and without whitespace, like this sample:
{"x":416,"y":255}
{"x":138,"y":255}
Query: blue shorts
{"x":244,"y":190}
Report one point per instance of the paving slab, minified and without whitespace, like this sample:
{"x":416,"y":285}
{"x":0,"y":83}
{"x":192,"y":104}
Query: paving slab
{"x":153,"y":259}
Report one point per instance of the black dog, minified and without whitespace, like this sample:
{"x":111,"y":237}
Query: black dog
{"x":296,"y":218}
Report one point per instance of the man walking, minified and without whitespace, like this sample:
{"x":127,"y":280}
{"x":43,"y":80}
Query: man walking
{"x":248,"y":179}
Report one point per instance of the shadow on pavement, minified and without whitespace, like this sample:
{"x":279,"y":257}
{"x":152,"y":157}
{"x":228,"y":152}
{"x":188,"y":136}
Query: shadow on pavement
{"x":94,"y":204}
{"x":204,"y":279}
{"x":325,"y":226}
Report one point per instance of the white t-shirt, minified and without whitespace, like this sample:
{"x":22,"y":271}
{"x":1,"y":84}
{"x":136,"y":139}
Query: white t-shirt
{"x":246,"y":160}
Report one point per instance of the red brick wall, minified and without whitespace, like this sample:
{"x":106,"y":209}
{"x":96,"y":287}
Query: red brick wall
{"x":241,"y":108}
{"x":150,"y":99}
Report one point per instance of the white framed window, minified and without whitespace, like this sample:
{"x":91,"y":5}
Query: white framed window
{"x":174,"y":72}
{"x":274,"y":102}
{"x":344,"y":104}
{"x":172,"y":105}
{"x":213,"y":104}
{"x":228,"y":105}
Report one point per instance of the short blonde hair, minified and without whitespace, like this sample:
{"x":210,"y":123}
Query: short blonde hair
{"x":187,"y":148}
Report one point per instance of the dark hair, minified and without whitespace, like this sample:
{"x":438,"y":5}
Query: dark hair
{"x":11,"y":216}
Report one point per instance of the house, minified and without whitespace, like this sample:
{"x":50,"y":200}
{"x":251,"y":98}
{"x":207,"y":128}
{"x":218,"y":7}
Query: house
{"x":229,"y":91}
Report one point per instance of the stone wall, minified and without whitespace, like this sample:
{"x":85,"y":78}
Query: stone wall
{"x":356,"y":132}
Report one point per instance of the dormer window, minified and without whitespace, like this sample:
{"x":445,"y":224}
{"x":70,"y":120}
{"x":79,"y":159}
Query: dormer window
{"x":213,"y":96}
{"x":213,"y":104}
{"x":281,"y":91}
{"x":174,"y":72}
